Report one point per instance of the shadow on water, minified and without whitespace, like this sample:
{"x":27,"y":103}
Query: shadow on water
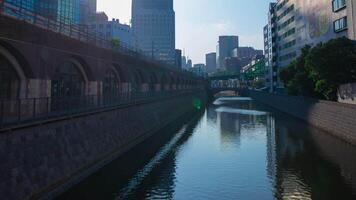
{"x":237,"y":150}
{"x":120,"y":178}
{"x":310,"y":163}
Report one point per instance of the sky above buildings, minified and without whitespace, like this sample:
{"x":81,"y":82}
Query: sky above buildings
{"x":200,"y":22}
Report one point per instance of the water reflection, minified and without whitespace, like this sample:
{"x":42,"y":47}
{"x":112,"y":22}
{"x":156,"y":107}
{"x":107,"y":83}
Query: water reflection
{"x":236,"y":150}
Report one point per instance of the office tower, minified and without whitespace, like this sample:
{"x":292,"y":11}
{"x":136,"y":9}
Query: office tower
{"x":189,"y":64}
{"x":153,"y":23}
{"x":87,"y":11}
{"x":178,"y":58}
{"x":224,"y":49}
{"x":210,"y":61}
{"x":199,"y":70}
{"x":184,"y":62}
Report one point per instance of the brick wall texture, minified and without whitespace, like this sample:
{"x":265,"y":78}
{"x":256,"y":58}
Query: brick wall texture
{"x":36,"y":160}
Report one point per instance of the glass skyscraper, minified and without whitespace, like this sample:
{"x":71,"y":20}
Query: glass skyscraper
{"x":64,"y":11}
{"x":153,"y":23}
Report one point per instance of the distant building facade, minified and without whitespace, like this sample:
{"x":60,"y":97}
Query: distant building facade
{"x":294,"y":24}
{"x":246,"y":52}
{"x":184,"y":62}
{"x":178,"y":58}
{"x":253,"y":74}
{"x":112,"y":31}
{"x":224,"y":49}
{"x":234,"y":64}
{"x":210,"y":61}
{"x":199,"y":70}
{"x":189,"y":64}
{"x":153,"y":23}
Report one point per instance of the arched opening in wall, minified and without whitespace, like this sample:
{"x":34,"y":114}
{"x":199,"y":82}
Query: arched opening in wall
{"x":171,"y":82}
{"x":178,"y":86}
{"x":9,"y":80}
{"x":68,"y":81}
{"x":163,"y":82}
{"x":111,"y":84}
{"x":136,"y":81}
{"x":153,"y":81}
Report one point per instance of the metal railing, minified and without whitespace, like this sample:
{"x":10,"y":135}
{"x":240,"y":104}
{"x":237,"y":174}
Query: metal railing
{"x":20,"y":111}
{"x":20,"y":10}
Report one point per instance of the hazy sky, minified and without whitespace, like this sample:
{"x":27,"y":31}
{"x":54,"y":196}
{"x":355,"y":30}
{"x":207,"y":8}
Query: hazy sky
{"x":200,"y":22}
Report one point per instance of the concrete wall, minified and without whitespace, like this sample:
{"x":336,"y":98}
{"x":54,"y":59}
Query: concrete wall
{"x":347,"y":93}
{"x":37,"y":160}
{"x":336,"y":118}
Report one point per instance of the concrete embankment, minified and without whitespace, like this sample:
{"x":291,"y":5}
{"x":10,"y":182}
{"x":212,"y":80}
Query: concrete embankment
{"x":46,"y":159}
{"x":335,"y":118}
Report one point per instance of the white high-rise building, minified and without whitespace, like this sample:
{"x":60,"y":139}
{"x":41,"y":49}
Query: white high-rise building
{"x":296,"y":23}
{"x":153,"y":23}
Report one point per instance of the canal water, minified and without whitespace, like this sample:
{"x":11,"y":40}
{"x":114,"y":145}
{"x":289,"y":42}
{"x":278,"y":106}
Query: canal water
{"x":233,"y":149}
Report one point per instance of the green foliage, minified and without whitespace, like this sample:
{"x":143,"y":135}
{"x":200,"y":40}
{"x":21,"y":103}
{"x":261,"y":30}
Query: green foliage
{"x":296,"y":77}
{"x":115,"y":43}
{"x":320,"y":70}
{"x":332,"y":64}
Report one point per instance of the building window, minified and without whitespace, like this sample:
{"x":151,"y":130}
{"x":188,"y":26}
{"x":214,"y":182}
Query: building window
{"x":340,"y":24}
{"x":338,"y":5}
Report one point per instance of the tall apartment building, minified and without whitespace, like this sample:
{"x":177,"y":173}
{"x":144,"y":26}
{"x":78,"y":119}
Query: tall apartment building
{"x":225,"y":48}
{"x":153,"y":23}
{"x":296,"y":23}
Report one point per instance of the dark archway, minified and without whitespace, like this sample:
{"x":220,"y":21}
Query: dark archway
{"x":163,"y":82}
{"x":69,"y":80}
{"x":111,"y":84}
{"x":153,"y":81}
{"x":171,"y":82}
{"x":137,"y":80}
{"x":9,"y":80}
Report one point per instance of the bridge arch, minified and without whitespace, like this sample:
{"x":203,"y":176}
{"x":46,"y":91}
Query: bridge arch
{"x":137,"y":80}
{"x":12,"y":75}
{"x":153,"y":81}
{"x":172,"y":82}
{"x":164,"y":82}
{"x":69,"y":79}
{"x":111,"y":83}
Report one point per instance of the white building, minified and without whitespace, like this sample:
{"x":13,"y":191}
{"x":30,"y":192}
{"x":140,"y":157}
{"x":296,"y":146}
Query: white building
{"x":153,"y":22}
{"x":296,"y":23}
{"x":113,"y":30}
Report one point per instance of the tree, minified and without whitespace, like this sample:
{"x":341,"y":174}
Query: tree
{"x":330,"y":65}
{"x":319,"y":71}
{"x":115,"y":43}
{"x":296,"y":76}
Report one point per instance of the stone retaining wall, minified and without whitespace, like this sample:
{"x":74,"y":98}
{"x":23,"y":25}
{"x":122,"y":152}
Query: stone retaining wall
{"x":336,"y":118}
{"x":37,"y":160}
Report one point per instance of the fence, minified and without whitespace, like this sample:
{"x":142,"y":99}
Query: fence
{"x":25,"y":10}
{"x":19,"y":111}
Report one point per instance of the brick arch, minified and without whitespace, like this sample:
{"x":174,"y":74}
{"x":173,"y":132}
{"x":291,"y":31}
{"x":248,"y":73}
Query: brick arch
{"x":80,"y":65}
{"x":163,"y":81}
{"x":14,"y":58}
{"x":124,"y":75}
{"x":85,"y":68}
